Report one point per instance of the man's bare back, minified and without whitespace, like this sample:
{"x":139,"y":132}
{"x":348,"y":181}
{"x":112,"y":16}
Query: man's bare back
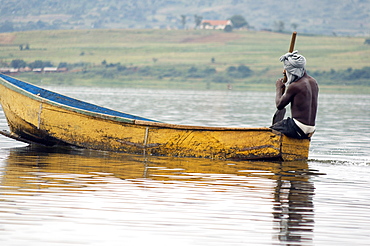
{"x":302,"y":95}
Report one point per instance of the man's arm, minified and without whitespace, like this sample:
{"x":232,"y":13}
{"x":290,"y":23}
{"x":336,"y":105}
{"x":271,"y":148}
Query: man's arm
{"x":280,"y":89}
{"x":283,"y":99}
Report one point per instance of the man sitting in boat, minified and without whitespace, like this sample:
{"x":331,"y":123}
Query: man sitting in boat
{"x":301,"y":91}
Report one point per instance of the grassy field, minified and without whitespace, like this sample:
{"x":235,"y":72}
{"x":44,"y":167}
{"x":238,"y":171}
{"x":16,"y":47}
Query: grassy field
{"x":260,"y":51}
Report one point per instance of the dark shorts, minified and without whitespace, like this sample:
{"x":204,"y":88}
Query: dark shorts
{"x":289,"y":128}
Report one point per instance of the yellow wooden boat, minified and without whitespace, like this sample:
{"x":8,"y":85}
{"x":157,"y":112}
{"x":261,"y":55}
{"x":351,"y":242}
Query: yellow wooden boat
{"x":40,"y":116}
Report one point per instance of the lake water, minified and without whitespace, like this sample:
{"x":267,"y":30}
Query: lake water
{"x":83,"y":197}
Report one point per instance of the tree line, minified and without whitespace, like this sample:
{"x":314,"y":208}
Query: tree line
{"x":19,"y":63}
{"x":348,"y":76}
{"x":171,"y":72}
{"x":107,"y":70}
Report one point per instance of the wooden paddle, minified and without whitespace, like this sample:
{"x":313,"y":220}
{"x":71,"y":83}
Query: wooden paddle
{"x":279,"y":114}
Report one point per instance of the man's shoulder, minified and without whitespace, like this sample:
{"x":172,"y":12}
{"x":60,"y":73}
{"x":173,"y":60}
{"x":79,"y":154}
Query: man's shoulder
{"x":305,"y":79}
{"x":312,"y":81}
{"x":301,"y":84}
{"x":304,"y":83}
{"x":309,"y":78}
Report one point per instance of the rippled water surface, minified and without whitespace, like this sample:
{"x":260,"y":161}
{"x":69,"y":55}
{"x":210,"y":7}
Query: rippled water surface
{"x":83,"y":197}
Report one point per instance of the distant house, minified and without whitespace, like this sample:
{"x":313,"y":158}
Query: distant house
{"x":50,"y":69}
{"x":62,"y":69}
{"x":14,"y":70}
{"x":37,"y":70}
{"x":5,"y":70}
{"x":10,"y":70}
{"x":25,"y":69}
{"x":215,"y":24}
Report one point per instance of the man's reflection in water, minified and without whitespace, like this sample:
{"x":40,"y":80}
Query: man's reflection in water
{"x":293,"y":207}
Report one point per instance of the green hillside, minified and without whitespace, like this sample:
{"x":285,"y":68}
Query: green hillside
{"x":183,"y":58}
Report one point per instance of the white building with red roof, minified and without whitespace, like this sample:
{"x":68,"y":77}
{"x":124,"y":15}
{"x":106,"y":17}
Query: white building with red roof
{"x":215,"y":24}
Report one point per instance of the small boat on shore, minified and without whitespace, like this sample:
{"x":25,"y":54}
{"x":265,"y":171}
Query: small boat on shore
{"x":39,"y":116}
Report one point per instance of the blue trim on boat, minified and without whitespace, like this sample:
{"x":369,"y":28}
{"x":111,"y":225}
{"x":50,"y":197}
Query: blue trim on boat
{"x":68,"y":101}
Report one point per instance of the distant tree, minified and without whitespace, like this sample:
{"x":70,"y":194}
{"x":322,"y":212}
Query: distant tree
{"x":18,"y":63}
{"x":209,"y":71}
{"x":192,"y":70}
{"x":36,"y":64}
{"x":238,"y":21}
{"x":363,"y":73}
{"x":121,"y":68}
{"x":198,"y":19}
{"x":21,"y":47}
{"x":279,"y":26}
{"x":205,"y":24}
{"x":63,"y":65}
{"x":244,"y":70}
{"x":183,"y":21}
{"x":231,"y":69}
{"x":294,"y":26}
{"x":27,"y":47}
{"x":146,"y":71}
{"x":7,"y":26}
{"x":41,"y":24}
{"x":241,"y":71}
{"x":367,"y":41}
{"x":47,"y":64}
{"x":228,"y":28}
{"x":40,"y":64}
{"x":97,"y":24}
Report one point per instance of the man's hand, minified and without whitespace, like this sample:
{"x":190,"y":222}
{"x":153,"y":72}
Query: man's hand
{"x":280,"y":83}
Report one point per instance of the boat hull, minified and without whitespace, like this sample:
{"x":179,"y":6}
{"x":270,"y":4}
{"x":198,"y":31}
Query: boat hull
{"x":36,"y":119}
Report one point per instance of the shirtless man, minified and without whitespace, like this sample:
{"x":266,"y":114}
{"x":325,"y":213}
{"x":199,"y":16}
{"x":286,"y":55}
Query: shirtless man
{"x":301,"y":91}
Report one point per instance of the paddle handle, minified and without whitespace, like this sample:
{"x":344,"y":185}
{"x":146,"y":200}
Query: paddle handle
{"x":292,"y":41}
{"x":291,"y":48}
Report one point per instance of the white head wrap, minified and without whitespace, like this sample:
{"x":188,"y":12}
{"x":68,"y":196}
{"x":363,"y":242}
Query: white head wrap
{"x":294,"y":64}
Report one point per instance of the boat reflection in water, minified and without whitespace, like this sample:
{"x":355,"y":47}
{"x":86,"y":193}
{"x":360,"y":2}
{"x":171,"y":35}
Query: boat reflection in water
{"x":287,"y":186}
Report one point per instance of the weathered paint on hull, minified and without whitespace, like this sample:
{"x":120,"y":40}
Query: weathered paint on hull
{"x":40,"y":120}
